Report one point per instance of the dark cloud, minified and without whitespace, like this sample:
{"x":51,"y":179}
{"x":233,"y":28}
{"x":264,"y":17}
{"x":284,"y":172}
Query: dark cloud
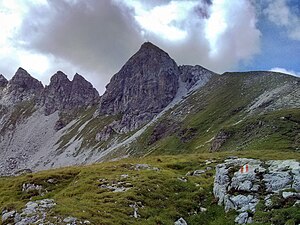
{"x":97,"y":37}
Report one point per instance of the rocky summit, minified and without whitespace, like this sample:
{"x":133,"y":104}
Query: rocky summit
{"x":143,"y":87}
{"x":22,"y":87}
{"x":63,"y":94}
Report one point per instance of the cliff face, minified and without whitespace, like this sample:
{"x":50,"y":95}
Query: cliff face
{"x":144,"y":86}
{"x":22,"y":87}
{"x":62,"y":93}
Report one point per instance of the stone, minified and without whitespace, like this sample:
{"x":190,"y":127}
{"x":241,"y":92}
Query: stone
{"x":277,"y":181}
{"x":51,"y":181}
{"x":221,"y":183}
{"x":286,"y":195}
{"x":180,"y":221}
{"x":32,"y":187}
{"x":8,"y":215}
{"x":124,"y":176}
{"x":198,"y":172}
{"x":70,"y":219}
{"x":182,"y":179}
{"x":142,"y":167}
{"x":135,"y":210}
{"x":17,"y":217}
{"x":241,"y":190}
{"x":296,"y":178}
{"x":268,"y":200}
{"x":202,"y":209}
{"x":242,"y":218}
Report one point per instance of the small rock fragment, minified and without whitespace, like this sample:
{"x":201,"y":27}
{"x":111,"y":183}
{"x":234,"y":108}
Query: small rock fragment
{"x":180,"y":221}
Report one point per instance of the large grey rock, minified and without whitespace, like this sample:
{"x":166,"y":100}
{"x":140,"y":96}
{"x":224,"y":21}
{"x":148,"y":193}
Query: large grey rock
{"x":8,"y":215}
{"x":277,"y":181}
{"x":70,"y":219}
{"x":241,"y":190}
{"x":242,"y":218}
{"x":32,"y":187}
{"x":221,"y":183}
{"x":143,"y":87}
{"x":180,"y":221}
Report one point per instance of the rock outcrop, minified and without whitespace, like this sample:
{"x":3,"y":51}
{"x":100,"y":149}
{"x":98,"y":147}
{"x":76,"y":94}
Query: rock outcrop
{"x":3,"y":81}
{"x":62,"y":93}
{"x":22,"y":87}
{"x":194,"y":75}
{"x":38,"y":212}
{"x":144,"y":86}
{"x":241,"y":183}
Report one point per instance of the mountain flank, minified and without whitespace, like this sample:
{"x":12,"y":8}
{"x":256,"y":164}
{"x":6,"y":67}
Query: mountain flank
{"x":151,"y":106}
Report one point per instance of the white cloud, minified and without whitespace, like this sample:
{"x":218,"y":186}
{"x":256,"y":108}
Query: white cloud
{"x":279,"y":12}
{"x":95,"y":38}
{"x":167,"y":21}
{"x":282,"y":70}
{"x":232,"y":33}
{"x":217,"y":34}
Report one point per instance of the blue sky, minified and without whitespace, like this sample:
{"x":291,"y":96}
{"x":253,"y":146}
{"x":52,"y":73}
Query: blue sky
{"x":277,"y":48}
{"x":95,"y":38}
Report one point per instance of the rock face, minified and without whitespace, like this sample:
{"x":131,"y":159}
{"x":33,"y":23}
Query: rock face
{"x":240,"y":183}
{"x":194,"y":75}
{"x":62,"y":93}
{"x":3,"y":81}
{"x":144,"y":86}
{"x":22,"y":87}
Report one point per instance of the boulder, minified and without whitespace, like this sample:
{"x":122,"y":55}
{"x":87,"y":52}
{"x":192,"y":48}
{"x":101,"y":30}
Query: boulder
{"x":240,"y":183}
{"x":180,"y":221}
{"x":7,"y":216}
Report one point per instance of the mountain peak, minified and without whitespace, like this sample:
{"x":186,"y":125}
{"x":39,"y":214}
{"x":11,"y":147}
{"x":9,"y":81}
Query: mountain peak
{"x":148,"y":44}
{"x":146,"y":84}
{"x":21,"y":73}
{"x":23,"y":86}
{"x":62,"y":93}
{"x":148,"y":48}
{"x":59,"y":76}
{"x":3,"y":81}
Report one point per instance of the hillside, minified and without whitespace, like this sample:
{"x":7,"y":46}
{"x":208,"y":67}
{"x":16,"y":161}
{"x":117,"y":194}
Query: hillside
{"x":152,"y":190}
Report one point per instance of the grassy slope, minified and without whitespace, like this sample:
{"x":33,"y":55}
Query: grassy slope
{"x":164,"y":198}
{"x":222,"y":105}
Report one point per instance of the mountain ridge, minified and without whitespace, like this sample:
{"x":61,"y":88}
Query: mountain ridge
{"x":151,"y":106}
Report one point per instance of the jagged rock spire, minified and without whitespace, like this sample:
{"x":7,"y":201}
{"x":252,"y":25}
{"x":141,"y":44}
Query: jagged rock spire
{"x":23,"y":87}
{"x":62,"y":93}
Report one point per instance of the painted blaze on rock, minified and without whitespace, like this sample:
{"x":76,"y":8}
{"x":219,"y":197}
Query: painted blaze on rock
{"x":241,"y":182}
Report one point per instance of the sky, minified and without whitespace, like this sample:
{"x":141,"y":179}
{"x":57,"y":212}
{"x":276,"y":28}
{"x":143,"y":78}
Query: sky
{"x":96,"y":37}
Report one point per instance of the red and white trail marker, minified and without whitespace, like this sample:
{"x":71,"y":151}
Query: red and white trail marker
{"x":244,"y":169}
